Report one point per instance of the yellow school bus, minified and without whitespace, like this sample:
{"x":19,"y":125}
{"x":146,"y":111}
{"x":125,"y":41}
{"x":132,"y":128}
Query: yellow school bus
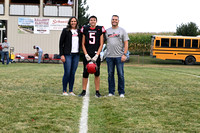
{"x":184,"y":48}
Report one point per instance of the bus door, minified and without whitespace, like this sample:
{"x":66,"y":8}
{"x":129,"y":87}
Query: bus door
{"x":152,"y":45}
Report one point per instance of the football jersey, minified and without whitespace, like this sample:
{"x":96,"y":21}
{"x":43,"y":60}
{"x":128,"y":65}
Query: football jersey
{"x":92,"y":38}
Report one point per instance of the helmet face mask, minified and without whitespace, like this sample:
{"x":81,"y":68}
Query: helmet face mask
{"x":91,"y":67}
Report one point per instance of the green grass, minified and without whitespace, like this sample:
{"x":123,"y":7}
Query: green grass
{"x":161,"y":96}
{"x":157,"y":100}
{"x":31,"y":99}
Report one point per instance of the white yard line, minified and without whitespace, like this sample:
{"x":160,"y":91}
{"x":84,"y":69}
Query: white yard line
{"x":83,"y":128}
{"x":191,"y":75}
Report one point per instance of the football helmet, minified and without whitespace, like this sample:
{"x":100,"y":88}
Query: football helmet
{"x":91,"y":67}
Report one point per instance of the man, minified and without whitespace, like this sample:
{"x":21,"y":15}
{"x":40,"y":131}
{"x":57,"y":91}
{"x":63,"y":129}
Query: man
{"x":92,"y":43}
{"x":5,"y":51}
{"x":117,"y":47}
{"x":39,"y":52}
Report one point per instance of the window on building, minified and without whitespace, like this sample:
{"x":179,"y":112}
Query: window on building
{"x":194,"y":43}
{"x":25,"y":1}
{"x":173,"y":43}
{"x":2,"y":7}
{"x":187,"y":43}
{"x":180,"y":43}
{"x":164,"y":42}
{"x":24,"y":7}
{"x":58,"y":8}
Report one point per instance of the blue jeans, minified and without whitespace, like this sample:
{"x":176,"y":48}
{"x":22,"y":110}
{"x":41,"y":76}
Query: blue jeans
{"x":111,"y":63}
{"x":70,"y":66}
{"x":3,"y":54}
{"x":39,"y":56}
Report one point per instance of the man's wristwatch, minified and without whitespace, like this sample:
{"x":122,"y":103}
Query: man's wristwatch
{"x":124,"y":54}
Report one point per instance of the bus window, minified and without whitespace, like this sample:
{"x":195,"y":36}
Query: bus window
{"x":157,"y":43}
{"x":173,"y":43}
{"x":164,"y":42}
{"x":187,"y":43}
{"x":180,"y":43}
{"x":194,"y":43}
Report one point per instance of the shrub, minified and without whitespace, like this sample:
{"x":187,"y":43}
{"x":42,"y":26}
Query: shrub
{"x":189,"y":29}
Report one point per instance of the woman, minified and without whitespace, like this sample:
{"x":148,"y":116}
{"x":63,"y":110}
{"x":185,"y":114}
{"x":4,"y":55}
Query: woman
{"x":70,"y":42}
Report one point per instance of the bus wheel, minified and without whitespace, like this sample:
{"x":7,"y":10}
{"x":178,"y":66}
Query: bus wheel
{"x":190,"y":60}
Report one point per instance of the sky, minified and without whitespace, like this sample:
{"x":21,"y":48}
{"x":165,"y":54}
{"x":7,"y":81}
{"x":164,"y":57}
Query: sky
{"x":146,"y":15}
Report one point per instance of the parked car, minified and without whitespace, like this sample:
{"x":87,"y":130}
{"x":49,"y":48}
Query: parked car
{"x":103,"y":54}
{"x":128,"y":56}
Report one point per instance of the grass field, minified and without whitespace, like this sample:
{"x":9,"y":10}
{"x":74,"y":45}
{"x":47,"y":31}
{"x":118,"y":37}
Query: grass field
{"x":161,"y":96}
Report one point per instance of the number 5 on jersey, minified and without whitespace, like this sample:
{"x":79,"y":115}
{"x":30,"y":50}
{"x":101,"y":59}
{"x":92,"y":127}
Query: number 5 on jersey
{"x":92,"y":38}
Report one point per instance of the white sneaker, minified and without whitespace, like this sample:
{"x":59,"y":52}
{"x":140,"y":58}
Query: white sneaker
{"x":72,"y":94}
{"x":121,"y":95}
{"x":110,"y":95}
{"x":65,"y":94}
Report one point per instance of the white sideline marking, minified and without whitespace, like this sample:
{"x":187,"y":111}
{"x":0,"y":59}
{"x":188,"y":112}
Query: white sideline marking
{"x":84,"y":113}
{"x":191,"y":75}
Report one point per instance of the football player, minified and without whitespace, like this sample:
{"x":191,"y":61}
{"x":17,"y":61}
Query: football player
{"x":92,"y":43}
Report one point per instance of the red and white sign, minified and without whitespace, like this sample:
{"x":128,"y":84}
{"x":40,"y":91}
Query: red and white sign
{"x":58,"y":24}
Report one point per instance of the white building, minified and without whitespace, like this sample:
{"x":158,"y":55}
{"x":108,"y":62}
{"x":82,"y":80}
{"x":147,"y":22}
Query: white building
{"x":35,"y":22}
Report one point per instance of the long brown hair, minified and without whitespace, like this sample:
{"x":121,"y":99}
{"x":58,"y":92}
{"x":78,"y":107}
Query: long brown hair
{"x":69,"y":23}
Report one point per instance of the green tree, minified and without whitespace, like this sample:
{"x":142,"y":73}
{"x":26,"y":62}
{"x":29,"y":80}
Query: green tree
{"x":189,"y":29}
{"x":82,"y":15}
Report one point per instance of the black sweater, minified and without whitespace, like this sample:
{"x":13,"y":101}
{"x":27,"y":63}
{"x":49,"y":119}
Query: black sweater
{"x":65,"y":44}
